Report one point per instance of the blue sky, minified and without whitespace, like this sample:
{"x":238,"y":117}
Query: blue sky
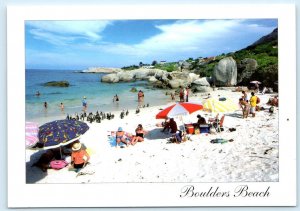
{"x":117,"y":43}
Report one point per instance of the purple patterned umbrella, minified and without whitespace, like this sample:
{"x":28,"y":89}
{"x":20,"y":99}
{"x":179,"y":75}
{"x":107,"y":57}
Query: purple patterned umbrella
{"x":60,"y":133}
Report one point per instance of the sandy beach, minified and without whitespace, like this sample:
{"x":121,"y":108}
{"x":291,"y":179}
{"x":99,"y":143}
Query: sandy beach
{"x":253,"y":156}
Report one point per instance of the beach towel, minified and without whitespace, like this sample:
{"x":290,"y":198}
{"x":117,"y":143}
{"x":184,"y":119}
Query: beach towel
{"x":113,"y":143}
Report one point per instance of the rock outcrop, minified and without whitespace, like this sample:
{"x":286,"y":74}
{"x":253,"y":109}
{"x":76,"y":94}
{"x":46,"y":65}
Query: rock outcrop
{"x":101,"y":70}
{"x":225,"y":72}
{"x":57,"y":83}
{"x":159,"y":78}
{"x":245,"y":70}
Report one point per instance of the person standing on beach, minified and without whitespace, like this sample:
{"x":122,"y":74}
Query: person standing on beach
{"x":245,"y":96}
{"x":181,"y":95}
{"x":116,"y":98}
{"x":245,"y":107}
{"x":140,"y":98}
{"x":84,"y":104}
{"x":253,"y":101}
{"x":187,"y":92}
{"x":172,"y":96}
{"x":62,"y":107}
{"x":45,"y":105}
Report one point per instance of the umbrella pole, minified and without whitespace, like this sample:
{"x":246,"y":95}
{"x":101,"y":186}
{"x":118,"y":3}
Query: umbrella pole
{"x":60,"y":152}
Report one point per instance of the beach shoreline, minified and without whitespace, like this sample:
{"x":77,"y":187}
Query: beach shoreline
{"x":251,"y":157}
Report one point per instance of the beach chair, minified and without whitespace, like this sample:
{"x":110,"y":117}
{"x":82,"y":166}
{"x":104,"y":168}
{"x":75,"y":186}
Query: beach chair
{"x":219,"y":124}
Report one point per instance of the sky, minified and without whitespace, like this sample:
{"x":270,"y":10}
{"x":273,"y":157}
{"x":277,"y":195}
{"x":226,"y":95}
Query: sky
{"x":78,"y":45}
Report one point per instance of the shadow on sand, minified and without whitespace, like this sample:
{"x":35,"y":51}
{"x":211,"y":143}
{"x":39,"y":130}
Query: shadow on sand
{"x":33,"y":173}
{"x":235,"y":115}
{"x":156,"y":134}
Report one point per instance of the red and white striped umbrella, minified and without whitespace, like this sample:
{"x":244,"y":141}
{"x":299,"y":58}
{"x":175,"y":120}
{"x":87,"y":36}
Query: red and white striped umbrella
{"x":179,"y":109}
{"x":31,"y":134}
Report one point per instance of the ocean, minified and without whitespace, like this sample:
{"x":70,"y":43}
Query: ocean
{"x":99,"y":95}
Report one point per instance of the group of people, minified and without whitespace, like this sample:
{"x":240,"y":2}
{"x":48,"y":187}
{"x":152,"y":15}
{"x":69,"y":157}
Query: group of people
{"x":249,"y":106}
{"x":184,"y":94}
{"x":170,"y":126}
{"x":130,"y":139}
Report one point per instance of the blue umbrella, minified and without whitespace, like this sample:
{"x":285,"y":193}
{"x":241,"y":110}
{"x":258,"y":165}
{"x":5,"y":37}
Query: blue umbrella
{"x":60,"y":133}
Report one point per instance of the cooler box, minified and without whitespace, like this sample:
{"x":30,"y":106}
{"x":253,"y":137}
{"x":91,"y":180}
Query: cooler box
{"x":204,"y":128}
{"x":190,"y":129}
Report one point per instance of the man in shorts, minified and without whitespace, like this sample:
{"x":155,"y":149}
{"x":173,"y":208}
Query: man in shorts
{"x":253,"y":101}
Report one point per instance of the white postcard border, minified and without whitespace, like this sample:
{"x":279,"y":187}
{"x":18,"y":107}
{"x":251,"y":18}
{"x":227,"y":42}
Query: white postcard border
{"x":20,"y":194}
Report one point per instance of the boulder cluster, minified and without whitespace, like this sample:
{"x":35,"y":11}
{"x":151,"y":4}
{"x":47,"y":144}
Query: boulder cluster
{"x":224,"y":74}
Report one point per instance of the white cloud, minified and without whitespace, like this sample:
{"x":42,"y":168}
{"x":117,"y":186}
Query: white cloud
{"x":59,"y":32}
{"x":190,"y":36}
{"x":179,"y":40}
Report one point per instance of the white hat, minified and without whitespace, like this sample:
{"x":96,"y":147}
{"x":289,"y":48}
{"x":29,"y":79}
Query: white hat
{"x":76,"y":146}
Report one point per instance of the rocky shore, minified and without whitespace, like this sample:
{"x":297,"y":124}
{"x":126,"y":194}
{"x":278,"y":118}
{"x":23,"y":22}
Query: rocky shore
{"x":101,"y":70}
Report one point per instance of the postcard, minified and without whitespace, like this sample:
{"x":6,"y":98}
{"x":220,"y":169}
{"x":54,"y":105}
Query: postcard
{"x":151,"y":106}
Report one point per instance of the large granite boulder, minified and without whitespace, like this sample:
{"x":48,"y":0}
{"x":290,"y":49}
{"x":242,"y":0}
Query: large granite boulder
{"x":225,"y":72}
{"x":202,"y":82}
{"x":176,"y":83}
{"x":185,"y":65}
{"x":57,"y":83}
{"x":245,"y":70}
{"x":110,"y":78}
{"x":201,"y":89}
{"x":141,"y":74}
{"x":152,"y":79}
{"x":125,"y":76}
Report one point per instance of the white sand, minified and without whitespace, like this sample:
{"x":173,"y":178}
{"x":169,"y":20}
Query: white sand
{"x":253,"y":156}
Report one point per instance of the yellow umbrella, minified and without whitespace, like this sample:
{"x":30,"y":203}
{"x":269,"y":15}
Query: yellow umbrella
{"x":215,"y":105}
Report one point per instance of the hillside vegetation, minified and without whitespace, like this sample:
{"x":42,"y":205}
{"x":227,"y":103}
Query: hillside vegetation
{"x":264,"y":51}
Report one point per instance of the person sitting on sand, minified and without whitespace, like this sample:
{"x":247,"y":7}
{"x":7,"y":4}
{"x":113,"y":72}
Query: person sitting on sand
{"x":120,"y":137}
{"x":171,"y":125}
{"x":139,"y":135}
{"x":163,"y":124}
{"x":79,"y":156}
{"x":245,"y":107}
{"x":201,"y":121}
{"x":273,"y":101}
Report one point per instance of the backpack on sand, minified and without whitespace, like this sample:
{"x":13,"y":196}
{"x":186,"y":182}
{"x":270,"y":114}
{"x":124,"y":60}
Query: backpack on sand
{"x":58,"y":164}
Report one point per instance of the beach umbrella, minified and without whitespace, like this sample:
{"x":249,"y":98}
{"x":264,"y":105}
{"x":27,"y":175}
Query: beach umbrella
{"x":179,"y":109}
{"x":60,"y":132}
{"x":255,"y":82}
{"x":216,"y":106}
{"x":31,"y":134}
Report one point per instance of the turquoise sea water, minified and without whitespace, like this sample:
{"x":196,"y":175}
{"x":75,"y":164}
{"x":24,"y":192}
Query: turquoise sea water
{"x":99,"y":95}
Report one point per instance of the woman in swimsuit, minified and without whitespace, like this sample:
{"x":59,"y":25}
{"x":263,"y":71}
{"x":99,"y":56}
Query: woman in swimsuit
{"x":139,"y":135}
{"x":120,"y":137}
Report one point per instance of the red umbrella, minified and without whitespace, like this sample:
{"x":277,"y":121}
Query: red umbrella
{"x":179,"y":109}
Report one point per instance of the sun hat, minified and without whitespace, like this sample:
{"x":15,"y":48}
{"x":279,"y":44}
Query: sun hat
{"x":76,"y":146}
{"x":120,"y":129}
{"x":84,"y":97}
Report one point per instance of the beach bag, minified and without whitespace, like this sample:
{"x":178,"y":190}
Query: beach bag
{"x":257,"y":100}
{"x":58,"y":164}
